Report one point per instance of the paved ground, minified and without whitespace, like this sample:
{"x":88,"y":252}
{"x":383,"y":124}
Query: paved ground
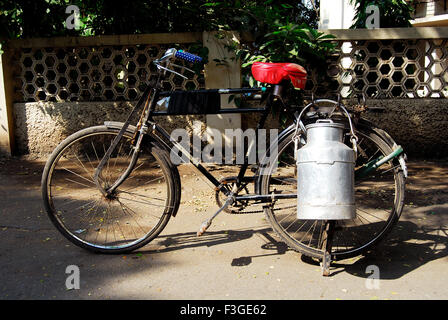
{"x":236,"y":259}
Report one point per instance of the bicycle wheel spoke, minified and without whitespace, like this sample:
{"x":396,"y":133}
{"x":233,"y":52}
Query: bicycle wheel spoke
{"x":373,"y":155}
{"x":143,"y":196}
{"x":312,"y":232}
{"x":94,"y":150}
{"x":128,"y":214}
{"x":319,"y":240}
{"x":304,"y":223}
{"x":291,"y":224}
{"x":90,"y":161}
{"x":82,"y":165}
{"x":79,"y":183}
{"x":130,"y":209}
{"x":101,"y":225}
{"x":99,"y":161}
{"x":70,"y":202}
{"x":370,"y":214}
{"x":118,"y":153}
{"x":307,"y":231}
{"x":293,"y":213}
{"x":85,"y":205}
{"x":92,"y":216}
{"x":144,"y":202}
{"x":107,"y":220}
{"x":134,"y":170}
{"x":144,"y":184}
{"x":93,"y":220}
{"x":78,"y":175}
{"x":390,"y":169}
{"x":108,"y":178}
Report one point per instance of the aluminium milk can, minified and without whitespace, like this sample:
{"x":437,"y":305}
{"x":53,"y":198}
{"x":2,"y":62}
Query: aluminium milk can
{"x":325,"y":173}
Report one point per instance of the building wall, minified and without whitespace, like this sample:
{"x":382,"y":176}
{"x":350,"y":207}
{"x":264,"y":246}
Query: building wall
{"x":400,"y":69}
{"x":336,"y":14}
{"x":430,"y":8}
{"x":41,"y":126}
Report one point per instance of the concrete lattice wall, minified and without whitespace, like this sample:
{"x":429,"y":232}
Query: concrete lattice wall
{"x":402,"y":70}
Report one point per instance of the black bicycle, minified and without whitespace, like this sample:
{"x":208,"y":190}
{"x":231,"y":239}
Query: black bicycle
{"x":113,"y":188}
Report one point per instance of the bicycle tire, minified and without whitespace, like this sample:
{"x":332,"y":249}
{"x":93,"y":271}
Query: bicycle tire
{"x":79,"y":189}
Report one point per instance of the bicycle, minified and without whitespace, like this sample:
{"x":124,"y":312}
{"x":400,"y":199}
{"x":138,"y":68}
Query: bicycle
{"x":113,"y":188}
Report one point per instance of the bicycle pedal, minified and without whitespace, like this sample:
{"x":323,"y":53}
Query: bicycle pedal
{"x":203,"y":228}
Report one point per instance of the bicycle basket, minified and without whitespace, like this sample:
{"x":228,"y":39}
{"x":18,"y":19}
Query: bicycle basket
{"x":194,"y":102}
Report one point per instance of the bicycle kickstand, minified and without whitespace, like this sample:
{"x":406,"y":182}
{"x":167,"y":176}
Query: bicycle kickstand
{"x":204,"y":226}
{"x":327,"y":246}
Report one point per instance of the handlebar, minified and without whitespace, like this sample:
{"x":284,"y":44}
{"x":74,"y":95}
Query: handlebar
{"x":180,"y":54}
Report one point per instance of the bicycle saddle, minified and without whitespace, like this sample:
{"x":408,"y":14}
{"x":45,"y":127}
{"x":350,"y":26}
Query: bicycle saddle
{"x":274,"y":73}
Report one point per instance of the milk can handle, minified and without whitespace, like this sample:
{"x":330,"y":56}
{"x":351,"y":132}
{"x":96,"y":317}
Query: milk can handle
{"x":353,"y":137}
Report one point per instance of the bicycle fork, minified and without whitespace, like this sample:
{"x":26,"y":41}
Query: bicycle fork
{"x":141,"y":130}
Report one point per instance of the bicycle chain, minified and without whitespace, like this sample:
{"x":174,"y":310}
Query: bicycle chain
{"x":258,"y":211}
{"x":251,"y":211}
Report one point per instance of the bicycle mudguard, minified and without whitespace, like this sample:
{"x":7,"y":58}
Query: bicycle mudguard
{"x":118,"y":125}
{"x":131,"y":129}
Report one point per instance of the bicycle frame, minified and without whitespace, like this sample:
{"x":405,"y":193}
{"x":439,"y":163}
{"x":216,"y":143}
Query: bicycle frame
{"x":156,"y":129}
{"x":150,"y":97}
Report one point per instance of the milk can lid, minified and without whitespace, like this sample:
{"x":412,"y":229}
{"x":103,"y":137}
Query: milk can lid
{"x":320,"y":124}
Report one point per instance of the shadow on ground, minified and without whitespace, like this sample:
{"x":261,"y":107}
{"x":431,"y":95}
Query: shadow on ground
{"x":34,"y":255}
{"x":407,"y":248}
{"x":179,"y":241}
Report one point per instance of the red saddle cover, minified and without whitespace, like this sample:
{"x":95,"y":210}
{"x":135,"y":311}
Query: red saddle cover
{"x":274,"y":73}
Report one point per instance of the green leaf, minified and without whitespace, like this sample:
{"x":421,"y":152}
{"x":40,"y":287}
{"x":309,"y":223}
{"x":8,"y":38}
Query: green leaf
{"x":212,"y":4}
{"x":293,"y":52}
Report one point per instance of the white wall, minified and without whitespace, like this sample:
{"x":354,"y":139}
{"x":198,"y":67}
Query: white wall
{"x":336,"y":14}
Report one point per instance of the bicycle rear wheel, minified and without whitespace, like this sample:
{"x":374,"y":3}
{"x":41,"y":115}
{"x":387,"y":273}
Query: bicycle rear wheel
{"x":132,"y":216}
{"x":379,"y":201}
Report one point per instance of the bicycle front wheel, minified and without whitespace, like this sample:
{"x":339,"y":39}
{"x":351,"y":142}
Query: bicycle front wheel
{"x":132,"y":216}
{"x":379,"y":201}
